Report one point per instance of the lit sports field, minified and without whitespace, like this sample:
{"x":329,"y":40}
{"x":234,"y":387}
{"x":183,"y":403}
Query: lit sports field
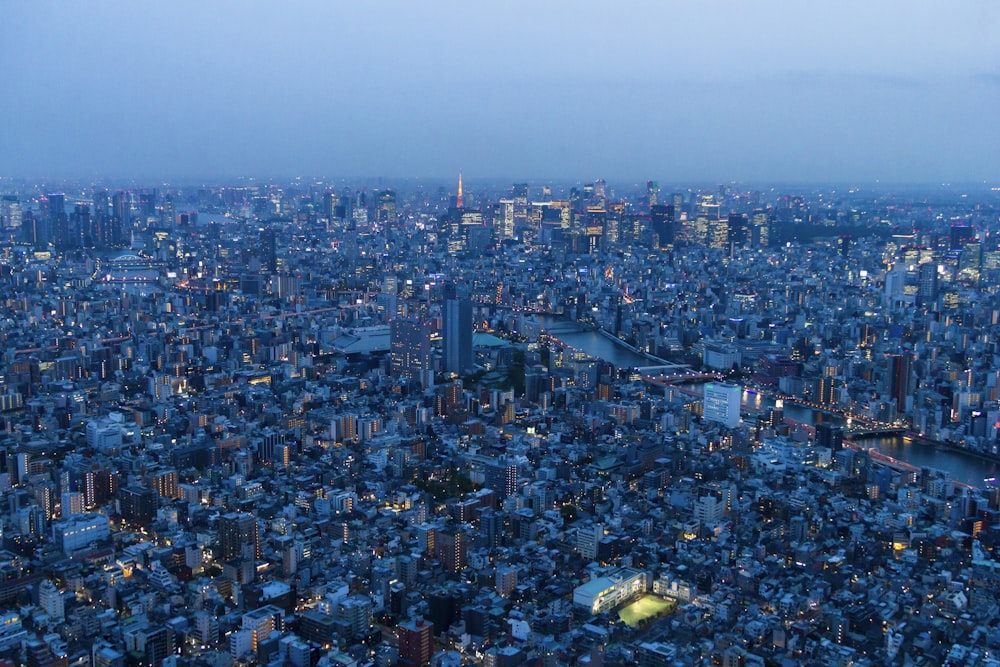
{"x":645,"y":608}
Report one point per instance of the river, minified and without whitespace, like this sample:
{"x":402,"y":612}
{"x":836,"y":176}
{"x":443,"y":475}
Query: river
{"x":963,"y":467}
{"x":592,"y":342}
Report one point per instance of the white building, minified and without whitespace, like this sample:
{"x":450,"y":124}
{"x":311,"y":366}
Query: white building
{"x":709,"y":509}
{"x":51,"y":600}
{"x":106,"y":433}
{"x":605,"y":593}
{"x":722,"y":404}
{"x":79,"y":531}
{"x":721,"y":357}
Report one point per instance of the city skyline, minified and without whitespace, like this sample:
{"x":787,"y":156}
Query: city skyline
{"x":893,"y":93}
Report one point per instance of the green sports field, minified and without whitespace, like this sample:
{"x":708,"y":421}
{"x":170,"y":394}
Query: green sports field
{"x":645,"y":608}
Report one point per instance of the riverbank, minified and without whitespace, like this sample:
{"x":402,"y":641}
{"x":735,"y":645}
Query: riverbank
{"x":615,"y":339}
{"x":947,"y":447}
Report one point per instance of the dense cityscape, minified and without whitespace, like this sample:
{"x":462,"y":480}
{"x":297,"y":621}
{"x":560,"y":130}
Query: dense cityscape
{"x":346,"y":423}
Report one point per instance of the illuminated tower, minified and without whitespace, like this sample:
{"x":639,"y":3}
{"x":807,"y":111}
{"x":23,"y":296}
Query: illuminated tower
{"x":458,"y":200}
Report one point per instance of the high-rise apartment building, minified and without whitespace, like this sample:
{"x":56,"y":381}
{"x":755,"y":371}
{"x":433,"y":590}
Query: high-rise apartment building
{"x":416,"y":642}
{"x":238,"y":536}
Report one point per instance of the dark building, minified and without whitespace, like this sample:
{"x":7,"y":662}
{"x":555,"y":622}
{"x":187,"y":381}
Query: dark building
{"x":121,"y":219}
{"x":410,"y":344}
{"x":830,"y":436}
{"x":960,"y":236}
{"x":927,"y":284}
{"x":739,"y":230}
{"x":457,"y":333}
{"x":138,"y":505}
{"x":416,"y":642}
{"x":317,"y":627}
{"x":269,"y":250}
{"x":501,"y":476}
{"x":450,"y":549}
{"x":238,"y":536}
{"x":661,"y":221}
{"x":899,"y":378}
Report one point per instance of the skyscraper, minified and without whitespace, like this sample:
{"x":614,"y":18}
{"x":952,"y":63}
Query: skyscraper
{"x":899,"y":379}
{"x":927,"y":284}
{"x":457,"y":332}
{"x":410,"y":345}
{"x":661,"y":218}
{"x":121,"y":218}
{"x":960,"y":235}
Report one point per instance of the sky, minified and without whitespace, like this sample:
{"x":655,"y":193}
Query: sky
{"x":707,"y":90}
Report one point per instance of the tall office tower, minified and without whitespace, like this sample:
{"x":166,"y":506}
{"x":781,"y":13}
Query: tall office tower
{"x":504,"y":220}
{"x":899,"y":379}
{"x":11,"y":213}
{"x":722,"y":404}
{"x":459,"y":200}
{"x":101,"y":222}
{"x":661,"y":220}
{"x":330,"y":205}
{"x":238,"y":536}
{"x":830,"y":436}
{"x":416,"y":642}
{"x":501,"y":476}
{"x":970,"y":262}
{"x":600,"y":191}
{"x":927,"y":284}
{"x":269,"y":250}
{"x":652,"y":193}
{"x":147,"y":203}
{"x":708,"y":207}
{"x":81,"y":228}
{"x":121,"y":219}
{"x":50,"y":221}
{"x":520,"y":205}
{"x":960,"y":236}
{"x":410,"y":346}
{"x":457,"y":332}
{"x":739,"y":230}
{"x":386,"y":206}
{"x":718,"y":233}
{"x":58,"y":221}
{"x":760,"y":235}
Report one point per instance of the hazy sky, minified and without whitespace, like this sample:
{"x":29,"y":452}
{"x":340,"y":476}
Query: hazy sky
{"x":679,"y":91}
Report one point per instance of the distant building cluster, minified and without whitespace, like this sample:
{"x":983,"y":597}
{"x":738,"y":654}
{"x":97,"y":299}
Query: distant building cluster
{"x":327,"y":426}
